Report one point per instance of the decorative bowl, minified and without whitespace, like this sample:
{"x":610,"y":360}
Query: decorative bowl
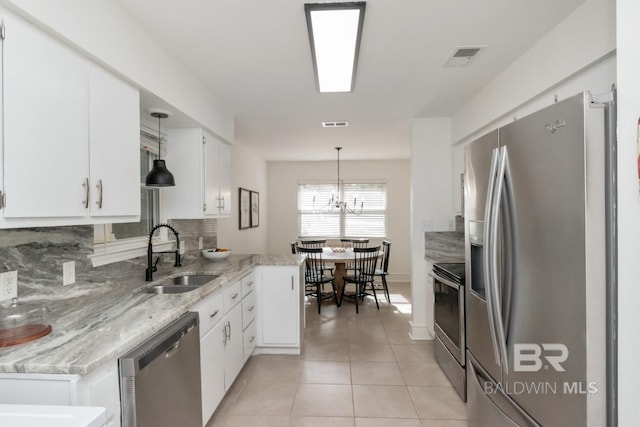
{"x":216,"y":254}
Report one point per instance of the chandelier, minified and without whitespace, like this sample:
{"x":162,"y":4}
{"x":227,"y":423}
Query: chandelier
{"x":336,"y":203}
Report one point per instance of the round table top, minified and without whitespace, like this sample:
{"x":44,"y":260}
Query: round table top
{"x":329,"y":255}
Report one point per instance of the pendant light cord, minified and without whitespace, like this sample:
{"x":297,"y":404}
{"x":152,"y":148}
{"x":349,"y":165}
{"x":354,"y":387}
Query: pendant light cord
{"x":159,"y":139}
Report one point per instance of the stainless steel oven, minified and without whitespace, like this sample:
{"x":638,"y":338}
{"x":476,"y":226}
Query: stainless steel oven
{"x":449,"y":322}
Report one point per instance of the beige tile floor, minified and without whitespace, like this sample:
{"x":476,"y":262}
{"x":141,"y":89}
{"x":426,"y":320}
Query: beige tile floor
{"x":354,"y":371}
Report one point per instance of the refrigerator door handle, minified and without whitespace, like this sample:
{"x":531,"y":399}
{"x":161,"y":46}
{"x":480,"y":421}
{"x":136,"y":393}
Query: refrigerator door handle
{"x":490,"y":252}
{"x":494,"y":270}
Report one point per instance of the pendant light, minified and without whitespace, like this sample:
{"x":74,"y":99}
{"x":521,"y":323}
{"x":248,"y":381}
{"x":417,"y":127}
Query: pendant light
{"x":159,"y":176}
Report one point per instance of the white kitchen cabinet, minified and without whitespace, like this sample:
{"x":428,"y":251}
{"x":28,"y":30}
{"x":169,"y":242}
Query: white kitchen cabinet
{"x":201,"y":166}
{"x":99,"y":388}
{"x":222,"y":341}
{"x":280,"y":300}
{"x":234,"y":346}
{"x":70,"y":147}
{"x":114,"y":145}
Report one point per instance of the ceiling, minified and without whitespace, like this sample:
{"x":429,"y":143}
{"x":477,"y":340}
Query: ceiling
{"x":255,"y":58}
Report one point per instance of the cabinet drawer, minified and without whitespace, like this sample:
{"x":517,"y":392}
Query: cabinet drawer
{"x":247,"y":284}
{"x":210,"y":312}
{"x":250,"y":340}
{"x":232,"y":296}
{"x":248,"y":309}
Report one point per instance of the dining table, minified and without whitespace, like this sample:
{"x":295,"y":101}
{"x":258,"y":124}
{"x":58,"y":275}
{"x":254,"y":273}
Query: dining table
{"x":340,"y":257}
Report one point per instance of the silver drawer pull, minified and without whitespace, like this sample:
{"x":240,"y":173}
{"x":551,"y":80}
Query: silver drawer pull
{"x":212,"y":315}
{"x":252,"y":339}
{"x":251,"y":308}
{"x":234,"y":296}
{"x":249,"y":284}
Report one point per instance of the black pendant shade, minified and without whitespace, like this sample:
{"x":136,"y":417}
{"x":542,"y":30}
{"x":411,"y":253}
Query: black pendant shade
{"x":159,"y":175}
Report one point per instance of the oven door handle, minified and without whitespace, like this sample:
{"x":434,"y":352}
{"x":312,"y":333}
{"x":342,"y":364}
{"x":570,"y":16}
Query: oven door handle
{"x":447,"y":282}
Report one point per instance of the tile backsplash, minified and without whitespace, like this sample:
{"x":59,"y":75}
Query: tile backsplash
{"x":38,"y":253}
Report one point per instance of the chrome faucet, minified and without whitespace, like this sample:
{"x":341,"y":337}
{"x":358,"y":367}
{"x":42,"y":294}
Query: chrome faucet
{"x":151,"y":266}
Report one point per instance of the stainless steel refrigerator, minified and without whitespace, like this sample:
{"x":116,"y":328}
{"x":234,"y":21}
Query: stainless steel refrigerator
{"x":536,"y":212}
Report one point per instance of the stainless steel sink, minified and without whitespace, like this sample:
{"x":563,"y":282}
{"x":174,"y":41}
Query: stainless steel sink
{"x":181,"y":284}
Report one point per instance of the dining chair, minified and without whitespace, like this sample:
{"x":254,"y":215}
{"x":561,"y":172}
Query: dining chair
{"x":355,"y":243}
{"x":315,"y":276}
{"x":363,"y":275}
{"x":294,"y":247}
{"x":384,"y":271}
{"x":318,"y":243}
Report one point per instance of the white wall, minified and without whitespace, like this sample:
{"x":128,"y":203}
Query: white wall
{"x":628,"y":211}
{"x":248,"y":171}
{"x":580,"y":41}
{"x":105,"y":33}
{"x":283,"y":190}
{"x":431,"y":209}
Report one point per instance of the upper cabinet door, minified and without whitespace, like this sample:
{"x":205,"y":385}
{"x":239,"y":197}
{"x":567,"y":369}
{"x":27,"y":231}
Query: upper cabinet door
{"x":114,"y":145}
{"x":224,"y":177}
{"x":45,"y":125}
{"x":212,"y":201}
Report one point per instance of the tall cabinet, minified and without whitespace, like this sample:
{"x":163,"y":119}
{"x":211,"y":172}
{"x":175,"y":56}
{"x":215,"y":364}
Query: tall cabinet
{"x":201,"y":165}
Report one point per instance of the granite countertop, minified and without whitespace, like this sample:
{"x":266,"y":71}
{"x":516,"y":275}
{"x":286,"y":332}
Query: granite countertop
{"x":99,"y":320}
{"x":444,"y":246}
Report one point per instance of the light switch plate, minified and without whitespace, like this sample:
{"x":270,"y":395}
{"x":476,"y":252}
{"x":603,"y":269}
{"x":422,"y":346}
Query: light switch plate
{"x":8,"y":285}
{"x":68,"y":273}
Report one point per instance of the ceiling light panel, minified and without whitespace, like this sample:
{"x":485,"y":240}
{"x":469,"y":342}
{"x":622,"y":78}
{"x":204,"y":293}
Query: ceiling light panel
{"x":334,"y":35}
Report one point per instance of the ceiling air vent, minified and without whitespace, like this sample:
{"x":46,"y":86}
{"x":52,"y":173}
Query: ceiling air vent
{"x":463,"y":56}
{"x":335,"y":124}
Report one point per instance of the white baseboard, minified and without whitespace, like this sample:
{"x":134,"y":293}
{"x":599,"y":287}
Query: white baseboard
{"x":420,"y":332}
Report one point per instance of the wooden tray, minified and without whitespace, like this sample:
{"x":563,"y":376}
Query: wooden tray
{"x":23,"y":334}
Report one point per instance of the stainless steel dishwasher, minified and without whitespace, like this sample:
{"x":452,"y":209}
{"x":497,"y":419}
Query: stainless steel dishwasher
{"x":160,"y":378}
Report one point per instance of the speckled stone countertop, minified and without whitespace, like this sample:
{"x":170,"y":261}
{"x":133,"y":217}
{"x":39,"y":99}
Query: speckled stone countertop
{"x":100,"y":319}
{"x":444,"y":246}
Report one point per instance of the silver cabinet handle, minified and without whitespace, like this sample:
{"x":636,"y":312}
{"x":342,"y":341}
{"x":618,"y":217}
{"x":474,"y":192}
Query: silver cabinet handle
{"x":234,"y":296}
{"x":249,"y":284}
{"x":99,"y":187}
{"x":212,"y":315}
{"x":229,"y":324}
{"x":225,"y":335}
{"x":85,"y":184}
{"x":251,"y":308}
{"x":291,"y":282}
{"x":252,"y":339}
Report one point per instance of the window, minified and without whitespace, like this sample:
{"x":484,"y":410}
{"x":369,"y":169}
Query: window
{"x":316,"y":218}
{"x":149,"y":208}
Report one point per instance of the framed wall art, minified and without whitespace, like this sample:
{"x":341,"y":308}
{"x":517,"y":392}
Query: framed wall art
{"x":255,"y":209}
{"x":245,"y":209}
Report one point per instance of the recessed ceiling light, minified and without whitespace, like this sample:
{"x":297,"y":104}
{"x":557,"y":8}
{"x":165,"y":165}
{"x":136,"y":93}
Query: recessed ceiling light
{"x":334,"y":35}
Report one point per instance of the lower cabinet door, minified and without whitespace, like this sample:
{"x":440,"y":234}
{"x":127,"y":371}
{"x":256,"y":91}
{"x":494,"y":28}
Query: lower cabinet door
{"x":212,"y":356}
{"x":234,"y":352}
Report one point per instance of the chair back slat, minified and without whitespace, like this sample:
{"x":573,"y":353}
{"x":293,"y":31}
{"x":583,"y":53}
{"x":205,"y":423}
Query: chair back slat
{"x":294,"y":247}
